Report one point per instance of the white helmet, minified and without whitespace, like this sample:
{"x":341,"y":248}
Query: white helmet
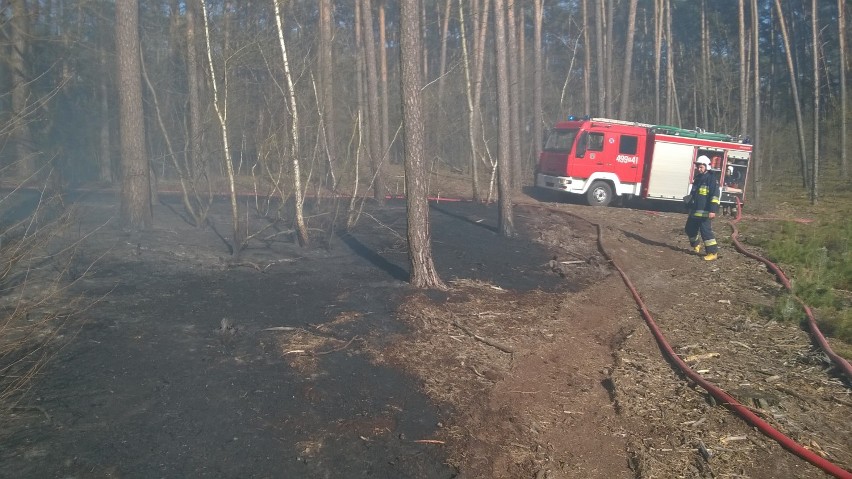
{"x":730,"y":170}
{"x":703,"y":160}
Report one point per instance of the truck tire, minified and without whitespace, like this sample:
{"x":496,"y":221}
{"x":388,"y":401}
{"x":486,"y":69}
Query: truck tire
{"x":599,"y":194}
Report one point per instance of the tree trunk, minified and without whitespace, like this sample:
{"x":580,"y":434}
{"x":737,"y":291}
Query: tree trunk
{"x":21,"y":107}
{"x":628,"y":60}
{"x":514,"y":96}
{"x":670,"y":80}
{"x":135,"y":193}
{"x":105,"y":143}
{"x":376,"y":154}
{"x":383,"y":67}
{"x":659,"y":7}
{"x":743,"y":68}
{"x":327,"y":86}
{"x":705,"y":68}
{"x":844,"y":116}
{"x":607,"y":10}
{"x":422,"y":268}
{"x":506,"y":225}
{"x":471,"y":119}
{"x":587,"y":61}
{"x":538,"y":119}
{"x":800,"y":127}
{"x":755,"y":154}
{"x":815,"y":38}
{"x":600,"y":61}
{"x":295,"y":150}
{"x":222,"y":114}
{"x":442,"y":67}
{"x":474,"y":87}
{"x":197,"y":174}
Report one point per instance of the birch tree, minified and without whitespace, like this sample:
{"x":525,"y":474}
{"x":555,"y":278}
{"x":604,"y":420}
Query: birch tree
{"x":295,"y":151}
{"x":220,"y":105}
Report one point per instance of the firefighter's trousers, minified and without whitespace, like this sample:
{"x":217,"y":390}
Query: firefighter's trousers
{"x":696,"y":225}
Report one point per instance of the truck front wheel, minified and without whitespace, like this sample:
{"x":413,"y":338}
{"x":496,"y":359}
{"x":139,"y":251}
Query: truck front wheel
{"x":599,"y":194}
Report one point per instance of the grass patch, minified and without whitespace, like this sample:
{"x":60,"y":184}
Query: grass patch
{"x":815,"y":255}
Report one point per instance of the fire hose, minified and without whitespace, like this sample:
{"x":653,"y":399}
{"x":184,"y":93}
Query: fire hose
{"x":719,"y":394}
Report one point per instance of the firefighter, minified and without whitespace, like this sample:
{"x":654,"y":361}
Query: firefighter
{"x":703,"y":206}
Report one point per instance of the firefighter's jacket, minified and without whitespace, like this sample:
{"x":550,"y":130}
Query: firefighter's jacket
{"x":705,"y":195}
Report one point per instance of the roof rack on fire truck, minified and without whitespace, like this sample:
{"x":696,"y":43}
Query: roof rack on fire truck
{"x":621,"y":122}
{"x":697,"y":133}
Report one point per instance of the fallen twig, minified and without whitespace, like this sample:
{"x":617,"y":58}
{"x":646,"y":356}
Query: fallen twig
{"x":428,"y":441}
{"x":492,"y":343}
{"x":337,"y":349}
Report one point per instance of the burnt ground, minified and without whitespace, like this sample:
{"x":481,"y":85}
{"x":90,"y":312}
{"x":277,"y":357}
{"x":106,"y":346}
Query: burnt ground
{"x":322,"y":362}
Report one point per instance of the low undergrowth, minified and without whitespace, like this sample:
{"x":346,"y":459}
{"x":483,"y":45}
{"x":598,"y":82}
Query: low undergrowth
{"x":815,"y":255}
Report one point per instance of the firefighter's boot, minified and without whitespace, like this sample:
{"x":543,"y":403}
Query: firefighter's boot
{"x":696,"y":248}
{"x":711,"y":256}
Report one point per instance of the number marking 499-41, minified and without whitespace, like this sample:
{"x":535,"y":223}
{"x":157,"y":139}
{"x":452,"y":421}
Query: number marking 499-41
{"x":627,"y":159}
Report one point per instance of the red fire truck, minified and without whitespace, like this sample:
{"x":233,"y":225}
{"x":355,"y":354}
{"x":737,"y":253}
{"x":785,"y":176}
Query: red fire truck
{"x":605,"y":159}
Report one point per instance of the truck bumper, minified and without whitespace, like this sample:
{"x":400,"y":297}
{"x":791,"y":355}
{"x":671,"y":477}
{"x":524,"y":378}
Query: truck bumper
{"x":558,"y":183}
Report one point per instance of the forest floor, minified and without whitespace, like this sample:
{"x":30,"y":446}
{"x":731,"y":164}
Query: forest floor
{"x":322,"y":362}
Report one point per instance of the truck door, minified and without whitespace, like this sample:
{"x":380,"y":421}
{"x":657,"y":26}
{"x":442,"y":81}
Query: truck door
{"x":589,"y":154}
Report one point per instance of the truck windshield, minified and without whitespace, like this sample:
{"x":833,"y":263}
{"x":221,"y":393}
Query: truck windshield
{"x":560,"y":140}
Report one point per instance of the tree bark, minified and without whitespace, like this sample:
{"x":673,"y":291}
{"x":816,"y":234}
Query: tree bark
{"x":506,"y":225}
{"x":422,"y":268}
{"x":135,"y":193}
